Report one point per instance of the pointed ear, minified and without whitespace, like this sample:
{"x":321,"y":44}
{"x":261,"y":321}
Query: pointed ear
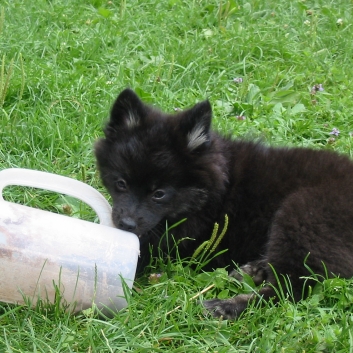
{"x":127,"y":111}
{"x":196,"y":123}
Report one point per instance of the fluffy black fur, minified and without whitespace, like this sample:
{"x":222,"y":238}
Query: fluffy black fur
{"x":282,"y":203}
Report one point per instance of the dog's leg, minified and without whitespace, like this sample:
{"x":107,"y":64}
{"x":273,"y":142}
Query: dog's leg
{"x":255,"y":269}
{"x":232,"y":308}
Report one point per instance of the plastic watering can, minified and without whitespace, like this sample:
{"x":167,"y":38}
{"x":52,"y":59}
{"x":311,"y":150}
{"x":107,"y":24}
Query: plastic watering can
{"x":43,"y":253}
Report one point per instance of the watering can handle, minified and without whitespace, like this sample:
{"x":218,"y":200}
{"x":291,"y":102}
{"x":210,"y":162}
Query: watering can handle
{"x":60,"y":184}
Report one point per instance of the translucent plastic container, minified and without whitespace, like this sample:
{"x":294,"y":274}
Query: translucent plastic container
{"x":42,"y":252}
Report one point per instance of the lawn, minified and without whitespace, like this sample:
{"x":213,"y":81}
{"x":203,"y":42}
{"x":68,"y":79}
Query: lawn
{"x":274,"y":70}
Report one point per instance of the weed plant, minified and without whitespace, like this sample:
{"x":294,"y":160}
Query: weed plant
{"x":279,"y":71}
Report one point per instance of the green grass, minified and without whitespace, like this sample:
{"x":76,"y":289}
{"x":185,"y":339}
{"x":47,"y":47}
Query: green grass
{"x":61,"y":65}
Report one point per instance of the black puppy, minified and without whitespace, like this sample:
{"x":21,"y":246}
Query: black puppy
{"x":282,"y":203}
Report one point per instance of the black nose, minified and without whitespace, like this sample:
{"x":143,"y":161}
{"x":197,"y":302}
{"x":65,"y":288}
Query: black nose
{"x":127,"y":223}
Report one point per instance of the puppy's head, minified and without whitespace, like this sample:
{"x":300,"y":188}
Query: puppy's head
{"x":156,"y":166}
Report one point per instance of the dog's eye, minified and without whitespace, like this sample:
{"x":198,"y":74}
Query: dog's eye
{"x":121,"y":184}
{"x":159,"y":194}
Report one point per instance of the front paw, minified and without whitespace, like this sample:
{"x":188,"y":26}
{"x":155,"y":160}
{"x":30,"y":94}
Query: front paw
{"x":228,"y":309}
